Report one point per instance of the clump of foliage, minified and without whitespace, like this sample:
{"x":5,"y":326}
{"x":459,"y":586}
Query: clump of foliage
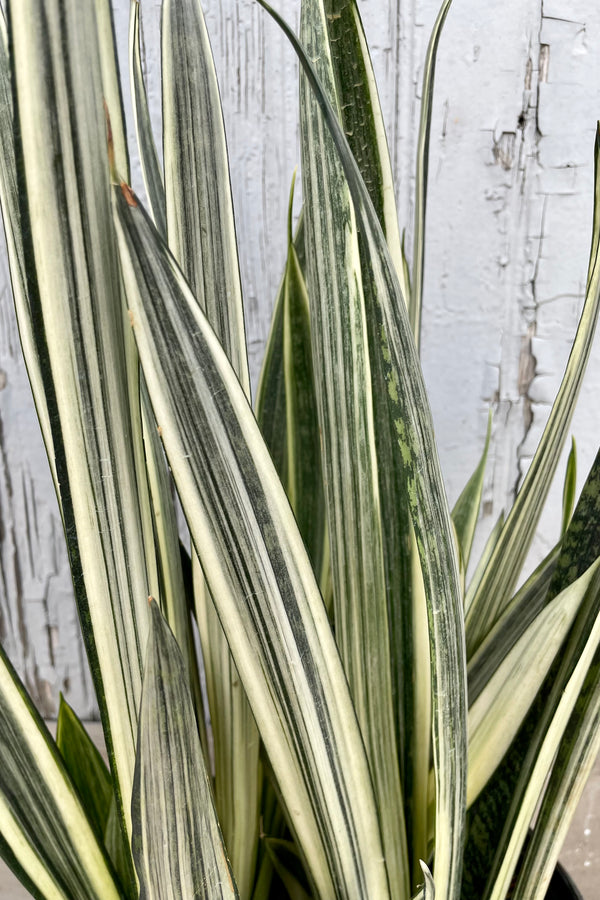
{"x":380,"y":726}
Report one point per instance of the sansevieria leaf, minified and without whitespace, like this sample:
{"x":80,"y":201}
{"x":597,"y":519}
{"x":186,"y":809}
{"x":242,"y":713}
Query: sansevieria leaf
{"x":527,"y":603}
{"x":496,"y":715}
{"x":576,"y":756}
{"x":357,"y":105}
{"x":151,"y":168}
{"x":466,"y":508}
{"x":9,"y":198}
{"x":201,"y":235}
{"x":73,"y":278}
{"x":520,"y":775}
{"x":347,"y":415}
{"x":85,"y":766}
{"x":429,"y":510}
{"x":45,"y":835}
{"x":177,"y":843}
{"x":569,"y":487}
{"x":418,"y":268}
{"x":304,"y":478}
{"x":256,"y":569}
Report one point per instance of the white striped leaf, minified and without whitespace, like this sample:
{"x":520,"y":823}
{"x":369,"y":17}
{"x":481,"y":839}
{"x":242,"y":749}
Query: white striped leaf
{"x":93,"y":781}
{"x":498,"y":814}
{"x":508,"y":556}
{"x":9,"y":199}
{"x":256,"y":568}
{"x":78,"y":324}
{"x":201,"y":235}
{"x":151,"y":167}
{"x":200,"y":221}
{"x":569,"y":487}
{"x":362,"y":118}
{"x":177,"y":843}
{"x":287,"y":376}
{"x":527,"y":603}
{"x":497,"y":713}
{"x":466,"y":508}
{"x":357,"y":104}
{"x":429,"y":510}
{"x":347,"y":416}
{"x":46,"y":836}
{"x":576,"y":660}
{"x":483,"y":560}
{"x":85,"y":766}
{"x":176,"y":607}
{"x":111,"y":84}
{"x":236,"y":742}
{"x":418,"y":267}
{"x":304,"y":482}
{"x":577,"y":754}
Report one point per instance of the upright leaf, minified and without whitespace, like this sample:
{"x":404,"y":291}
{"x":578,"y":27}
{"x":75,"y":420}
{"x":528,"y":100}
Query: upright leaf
{"x":569,"y":487}
{"x":177,"y":843}
{"x":577,"y":754}
{"x":342,"y":365}
{"x":257,"y":570}
{"x":151,"y":168}
{"x":201,"y":235}
{"x":359,"y":111}
{"x":304,"y":483}
{"x":85,"y":766}
{"x":429,"y":510}
{"x":497,"y":713}
{"x":11,"y":214}
{"x":362,"y":118}
{"x":527,"y":603}
{"x":201,"y":227}
{"x":561,"y":699}
{"x":45,"y":835}
{"x":418,"y":269}
{"x":73,"y":279}
{"x":519,"y":775}
{"x":111,"y":83}
{"x":466,"y":508}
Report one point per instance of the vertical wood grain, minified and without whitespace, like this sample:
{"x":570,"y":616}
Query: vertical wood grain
{"x":517,"y":97}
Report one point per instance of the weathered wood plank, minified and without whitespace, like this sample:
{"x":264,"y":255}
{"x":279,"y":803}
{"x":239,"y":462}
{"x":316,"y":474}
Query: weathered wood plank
{"x":517,"y":97}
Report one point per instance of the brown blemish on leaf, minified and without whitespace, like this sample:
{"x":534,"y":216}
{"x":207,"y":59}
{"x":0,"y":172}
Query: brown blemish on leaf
{"x":110,"y":143}
{"x":131,"y":318}
{"x":128,"y":194}
{"x":159,"y":429}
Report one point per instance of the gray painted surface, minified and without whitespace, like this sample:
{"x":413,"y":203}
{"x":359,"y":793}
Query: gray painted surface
{"x":517,"y":96}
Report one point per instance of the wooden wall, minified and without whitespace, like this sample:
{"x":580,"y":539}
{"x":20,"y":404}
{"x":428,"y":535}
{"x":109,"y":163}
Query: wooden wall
{"x":517,"y":97}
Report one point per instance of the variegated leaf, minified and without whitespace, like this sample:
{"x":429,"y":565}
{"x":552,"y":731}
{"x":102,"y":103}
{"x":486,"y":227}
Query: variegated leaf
{"x":429,"y":510}
{"x":45,"y":834}
{"x":256,"y":568}
{"x":78,"y":320}
{"x":201,"y":235}
{"x":177,"y":843}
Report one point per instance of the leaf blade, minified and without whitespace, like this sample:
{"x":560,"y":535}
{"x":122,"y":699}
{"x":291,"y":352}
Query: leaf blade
{"x":430,"y":517}
{"x":177,"y":843}
{"x":50,"y":841}
{"x":246,"y":594}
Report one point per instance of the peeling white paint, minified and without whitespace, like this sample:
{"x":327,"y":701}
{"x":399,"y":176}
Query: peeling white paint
{"x":517,"y":97}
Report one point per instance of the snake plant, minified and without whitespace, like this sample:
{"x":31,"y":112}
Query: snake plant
{"x":376,"y":723}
